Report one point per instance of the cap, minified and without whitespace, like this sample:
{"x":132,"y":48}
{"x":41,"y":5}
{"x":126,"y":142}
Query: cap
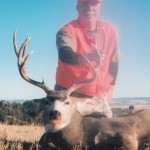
{"x":80,"y":1}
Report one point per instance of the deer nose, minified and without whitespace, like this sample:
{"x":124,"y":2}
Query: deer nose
{"x":55,"y":115}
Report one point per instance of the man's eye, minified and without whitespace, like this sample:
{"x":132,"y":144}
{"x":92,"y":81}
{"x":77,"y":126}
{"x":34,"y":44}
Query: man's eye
{"x":84,"y":4}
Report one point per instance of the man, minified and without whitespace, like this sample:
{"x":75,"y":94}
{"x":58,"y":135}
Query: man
{"x":87,"y":35}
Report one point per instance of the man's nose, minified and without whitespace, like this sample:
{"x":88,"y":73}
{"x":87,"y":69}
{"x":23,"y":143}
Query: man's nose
{"x":90,"y":7}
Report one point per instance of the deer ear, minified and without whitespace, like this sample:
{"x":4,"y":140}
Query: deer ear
{"x":33,"y":107}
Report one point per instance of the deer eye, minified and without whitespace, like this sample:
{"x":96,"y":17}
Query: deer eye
{"x":46,"y":102}
{"x":67,"y":103}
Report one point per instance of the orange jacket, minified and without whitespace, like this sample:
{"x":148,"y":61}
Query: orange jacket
{"x":75,"y":37}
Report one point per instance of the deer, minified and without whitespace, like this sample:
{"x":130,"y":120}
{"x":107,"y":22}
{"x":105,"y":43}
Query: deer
{"x":66,"y":126}
{"x":65,"y":122}
{"x":128,"y":132}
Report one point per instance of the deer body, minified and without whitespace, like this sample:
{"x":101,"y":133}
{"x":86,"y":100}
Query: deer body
{"x":129,"y":131}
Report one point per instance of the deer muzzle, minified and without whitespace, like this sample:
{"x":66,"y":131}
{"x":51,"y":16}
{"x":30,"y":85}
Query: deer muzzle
{"x":55,"y":115}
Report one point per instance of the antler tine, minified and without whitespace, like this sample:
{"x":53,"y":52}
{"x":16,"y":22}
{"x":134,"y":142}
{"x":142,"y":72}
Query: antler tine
{"x":22,"y":59}
{"x":74,"y":87}
{"x":15,"y":44}
{"x":22,"y":48}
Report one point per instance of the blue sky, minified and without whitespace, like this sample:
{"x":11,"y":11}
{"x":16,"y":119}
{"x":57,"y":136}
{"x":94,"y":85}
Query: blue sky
{"x":42,"y":19}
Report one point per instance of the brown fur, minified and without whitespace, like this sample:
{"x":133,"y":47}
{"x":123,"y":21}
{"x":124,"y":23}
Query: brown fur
{"x":130,"y":131}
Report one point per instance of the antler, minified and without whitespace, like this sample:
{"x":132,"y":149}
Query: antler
{"x":22,"y":59}
{"x":74,"y":87}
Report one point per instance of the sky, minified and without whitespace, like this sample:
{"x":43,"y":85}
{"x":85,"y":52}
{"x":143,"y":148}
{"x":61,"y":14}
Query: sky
{"x":42,"y":19}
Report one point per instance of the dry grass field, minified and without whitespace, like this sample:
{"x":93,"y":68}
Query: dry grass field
{"x":30,"y":133}
{"x":15,"y":137}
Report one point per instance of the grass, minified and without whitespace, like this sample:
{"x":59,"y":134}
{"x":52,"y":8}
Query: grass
{"x":15,"y":137}
{"x":29,"y":133}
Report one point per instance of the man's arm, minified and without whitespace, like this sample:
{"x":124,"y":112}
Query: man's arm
{"x":113,"y":70}
{"x":66,"y":55}
{"x":67,"y":50}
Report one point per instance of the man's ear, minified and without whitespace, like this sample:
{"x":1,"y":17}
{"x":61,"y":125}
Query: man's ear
{"x":77,"y":7}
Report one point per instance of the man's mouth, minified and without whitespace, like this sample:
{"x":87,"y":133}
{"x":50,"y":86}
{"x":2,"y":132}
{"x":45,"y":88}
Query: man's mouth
{"x":89,"y":14}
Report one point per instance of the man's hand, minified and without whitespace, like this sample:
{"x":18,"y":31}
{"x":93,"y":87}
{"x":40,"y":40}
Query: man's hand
{"x":93,"y":55}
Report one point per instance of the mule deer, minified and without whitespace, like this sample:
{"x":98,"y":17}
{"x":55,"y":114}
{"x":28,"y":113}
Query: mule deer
{"x":62,"y":114}
{"x":67,"y":128}
{"x":130,"y":132}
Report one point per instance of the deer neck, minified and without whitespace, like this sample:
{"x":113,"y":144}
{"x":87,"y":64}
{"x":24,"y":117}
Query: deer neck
{"x":74,"y":126}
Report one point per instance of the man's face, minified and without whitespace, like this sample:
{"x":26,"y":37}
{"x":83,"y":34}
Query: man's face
{"x":89,"y":10}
